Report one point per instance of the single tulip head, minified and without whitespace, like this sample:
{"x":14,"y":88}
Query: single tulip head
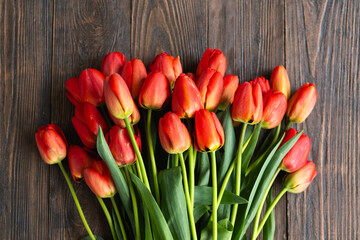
{"x":168,"y":65}
{"x":86,"y":122}
{"x":263,"y":83}
{"x":173,"y":134}
{"x":210,"y":85}
{"x":248,"y":104}
{"x":298,"y":181}
{"x":99,"y":180}
{"x":231,"y":83}
{"x":87,"y":88}
{"x":186,"y":98}
{"x":214,"y":59}
{"x":79,"y":158}
{"x":209,"y":134}
{"x":134,"y":118}
{"x":118,"y":98}
{"x":302,"y":103}
{"x":120,"y":145}
{"x":51,"y":143}
{"x":298,"y":155}
{"x":113,"y":63}
{"x":134,"y":74}
{"x":274,"y":105}
{"x":279,"y":80}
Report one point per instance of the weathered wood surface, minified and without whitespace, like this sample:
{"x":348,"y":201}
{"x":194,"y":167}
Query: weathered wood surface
{"x":43,"y":43}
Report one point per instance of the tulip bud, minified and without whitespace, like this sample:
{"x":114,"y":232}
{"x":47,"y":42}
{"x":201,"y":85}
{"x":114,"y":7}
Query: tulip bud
{"x":210,"y":85}
{"x":279,"y":80}
{"x":298,"y":181}
{"x":214,"y":59}
{"x":208,"y":134}
{"x":86,"y":122}
{"x":274,"y":103}
{"x":298,"y":155}
{"x":79,"y":158}
{"x":248,"y":104}
{"x":186,"y":98}
{"x":51,"y":143}
{"x":155,"y":91}
{"x":118,"y":97}
{"x":264,"y":84}
{"x":173,"y":134}
{"x":231,"y":83}
{"x":88,"y":88}
{"x":120,"y":145}
{"x":113,"y":63}
{"x":134,"y":74}
{"x":168,"y":65}
{"x":134,"y":118}
{"x":302,"y":103}
{"x":99,"y":180}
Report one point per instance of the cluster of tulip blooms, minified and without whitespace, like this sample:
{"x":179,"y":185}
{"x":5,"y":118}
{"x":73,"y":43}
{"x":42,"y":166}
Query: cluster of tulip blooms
{"x":212,"y":184}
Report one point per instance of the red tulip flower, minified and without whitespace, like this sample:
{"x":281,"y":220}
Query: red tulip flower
{"x":231,"y":83}
{"x":168,"y":65}
{"x":87,"y":88}
{"x":120,"y":145}
{"x":51,"y":143}
{"x":209,"y":134}
{"x":99,"y":180}
{"x":274,"y":103}
{"x":210,"y":85}
{"x":298,"y":181}
{"x":113,"y":63}
{"x":264,"y":84}
{"x":118,"y":98}
{"x":173,"y":134}
{"x":86,"y":122}
{"x":302,"y":103}
{"x":186,"y":98}
{"x":155,"y":92}
{"x":79,"y":158}
{"x":134,"y":74}
{"x":280,"y":81}
{"x":134,"y":118}
{"x":248,"y":105}
{"x":214,"y":59}
{"x":298,"y":155}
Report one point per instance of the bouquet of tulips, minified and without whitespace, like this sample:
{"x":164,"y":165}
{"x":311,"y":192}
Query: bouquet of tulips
{"x":210,"y":177}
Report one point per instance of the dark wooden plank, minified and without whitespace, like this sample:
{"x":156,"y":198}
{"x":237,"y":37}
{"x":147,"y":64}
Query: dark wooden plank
{"x":322,"y":46}
{"x":84,"y":32}
{"x":177,"y":27}
{"x":25,"y":72}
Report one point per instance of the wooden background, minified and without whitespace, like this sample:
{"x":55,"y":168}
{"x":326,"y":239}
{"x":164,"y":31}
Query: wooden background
{"x":43,"y":43}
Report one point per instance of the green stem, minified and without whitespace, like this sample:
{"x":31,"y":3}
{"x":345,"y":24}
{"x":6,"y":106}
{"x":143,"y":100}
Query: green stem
{"x":192,"y":174}
{"x":258,"y":213}
{"x":108,"y":217}
{"x":119,"y":218}
{"x":214,"y":183}
{"x":238,"y":173}
{"x":176,"y":161}
{"x":138,"y":154}
{"x":134,"y":203}
{"x":226,"y":179}
{"x":270,"y":209}
{"x":138,"y":170}
{"x":152,"y":156}
{"x":187,"y":196}
{"x":76,"y":200}
{"x":288,"y":125}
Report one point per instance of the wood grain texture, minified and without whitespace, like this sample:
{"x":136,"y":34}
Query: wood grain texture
{"x":322,"y":46}
{"x":84,"y":32}
{"x":25,"y":63}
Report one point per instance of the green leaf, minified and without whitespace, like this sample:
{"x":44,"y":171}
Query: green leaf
{"x":269,"y":226}
{"x":249,"y":150}
{"x":202,"y":163}
{"x":89,"y":238}
{"x":224,"y":230}
{"x":120,"y":183}
{"x":173,"y":202}
{"x":263,"y":179}
{"x":199,"y":211}
{"x":157,"y":218}
{"x":203,"y":196}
